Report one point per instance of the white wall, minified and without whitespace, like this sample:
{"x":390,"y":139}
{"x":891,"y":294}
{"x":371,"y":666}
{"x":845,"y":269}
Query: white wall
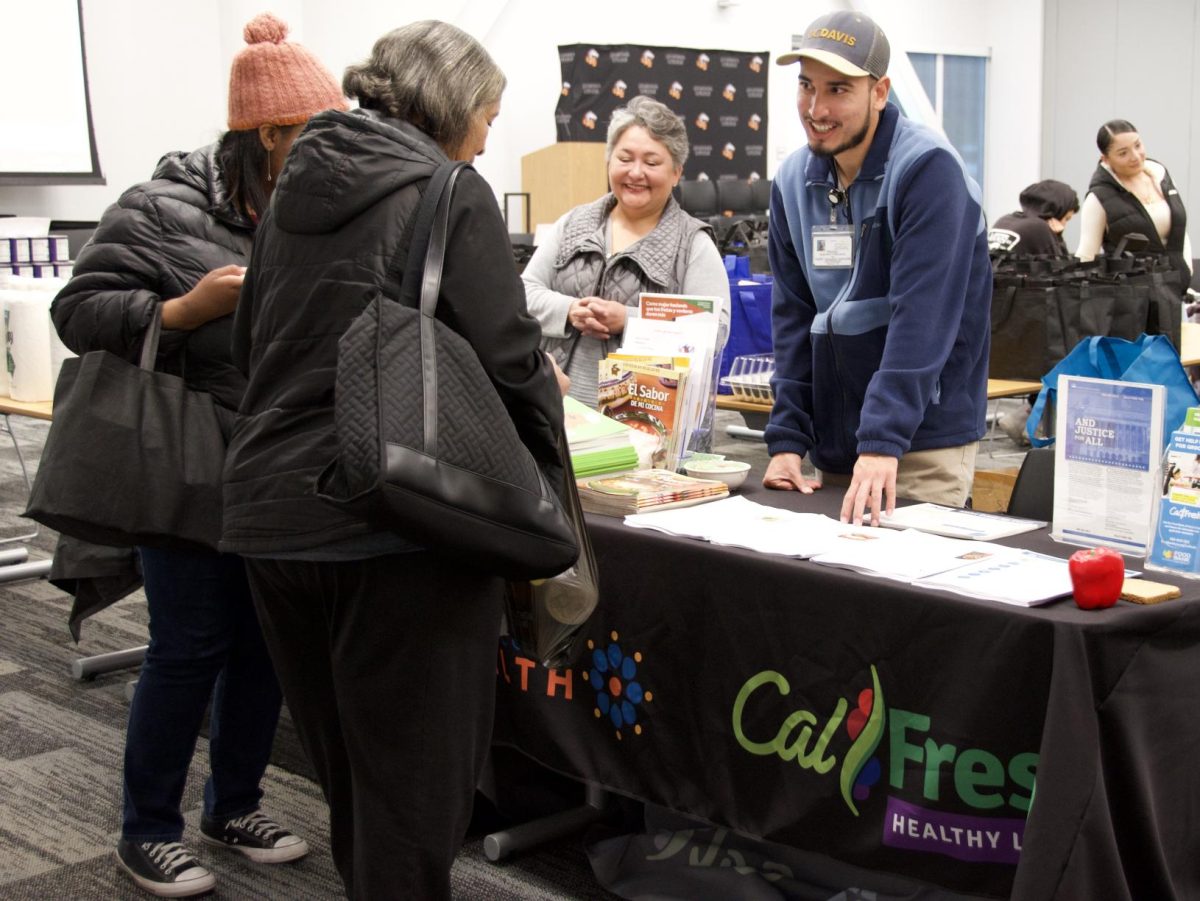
{"x":159,"y":70}
{"x":1011,"y":34}
{"x":1123,"y":59}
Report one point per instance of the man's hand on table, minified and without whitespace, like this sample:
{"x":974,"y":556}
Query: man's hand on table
{"x":784,"y":473}
{"x":872,"y":485}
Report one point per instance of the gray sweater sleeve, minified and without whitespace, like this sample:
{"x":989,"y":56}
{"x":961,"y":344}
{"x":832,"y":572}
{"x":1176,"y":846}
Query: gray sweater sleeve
{"x":549,"y":308}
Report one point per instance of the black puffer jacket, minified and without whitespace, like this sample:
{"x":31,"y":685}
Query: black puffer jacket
{"x":342,"y":208}
{"x":154,"y":244}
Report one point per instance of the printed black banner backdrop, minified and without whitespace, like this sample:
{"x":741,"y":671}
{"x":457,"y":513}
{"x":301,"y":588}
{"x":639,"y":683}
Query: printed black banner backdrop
{"x":721,"y":95}
{"x":871,"y":722}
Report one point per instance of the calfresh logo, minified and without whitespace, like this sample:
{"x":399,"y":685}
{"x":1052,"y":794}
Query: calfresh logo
{"x":795,"y":741}
{"x":981,"y":780}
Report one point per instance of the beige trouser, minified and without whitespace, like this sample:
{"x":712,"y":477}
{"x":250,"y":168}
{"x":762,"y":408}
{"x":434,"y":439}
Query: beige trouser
{"x":939,"y":476}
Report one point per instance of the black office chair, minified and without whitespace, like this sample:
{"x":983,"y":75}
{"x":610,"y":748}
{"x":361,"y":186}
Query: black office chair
{"x":1033,"y":492}
{"x":735,"y":198}
{"x":760,"y":189}
{"x":699,"y":198}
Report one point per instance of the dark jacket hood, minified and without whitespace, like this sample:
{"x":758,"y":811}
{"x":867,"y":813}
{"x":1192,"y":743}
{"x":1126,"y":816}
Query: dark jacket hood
{"x":1049,"y":199}
{"x":343,"y":163}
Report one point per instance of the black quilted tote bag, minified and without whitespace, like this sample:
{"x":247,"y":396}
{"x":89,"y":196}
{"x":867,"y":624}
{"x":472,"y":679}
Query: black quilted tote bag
{"x":426,"y":447}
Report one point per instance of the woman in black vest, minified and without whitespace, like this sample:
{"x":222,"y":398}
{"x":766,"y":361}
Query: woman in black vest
{"x":1128,"y":194}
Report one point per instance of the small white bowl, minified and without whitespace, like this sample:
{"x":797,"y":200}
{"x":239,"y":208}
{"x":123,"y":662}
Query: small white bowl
{"x":731,"y":472}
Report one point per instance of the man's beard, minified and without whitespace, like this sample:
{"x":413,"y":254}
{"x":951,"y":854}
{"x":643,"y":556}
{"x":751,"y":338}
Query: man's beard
{"x":849,"y":144}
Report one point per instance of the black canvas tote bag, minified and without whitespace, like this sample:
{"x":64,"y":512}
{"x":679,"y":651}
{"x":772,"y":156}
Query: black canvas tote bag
{"x":133,"y":456}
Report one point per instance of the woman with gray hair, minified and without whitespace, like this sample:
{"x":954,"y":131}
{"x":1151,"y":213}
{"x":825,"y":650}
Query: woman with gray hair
{"x":584,"y":280}
{"x":384,"y":649}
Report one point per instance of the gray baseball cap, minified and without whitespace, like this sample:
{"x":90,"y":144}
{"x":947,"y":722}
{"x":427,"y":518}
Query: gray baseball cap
{"x":848,"y":42}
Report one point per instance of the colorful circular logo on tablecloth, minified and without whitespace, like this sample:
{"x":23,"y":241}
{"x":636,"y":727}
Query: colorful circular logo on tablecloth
{"x":620,"y":696}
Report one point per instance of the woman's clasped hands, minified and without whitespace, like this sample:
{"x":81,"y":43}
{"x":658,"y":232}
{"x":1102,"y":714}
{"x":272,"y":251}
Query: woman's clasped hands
{"x":595,"y":317}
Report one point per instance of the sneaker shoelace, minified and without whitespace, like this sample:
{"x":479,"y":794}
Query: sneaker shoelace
{"x":168,"y":856}
{"x":257,"y":824}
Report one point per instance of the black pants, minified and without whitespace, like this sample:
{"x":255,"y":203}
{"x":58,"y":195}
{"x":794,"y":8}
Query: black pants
{"x":388,"y":666}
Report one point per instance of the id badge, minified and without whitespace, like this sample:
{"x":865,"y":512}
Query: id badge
{"x":832,"y":246}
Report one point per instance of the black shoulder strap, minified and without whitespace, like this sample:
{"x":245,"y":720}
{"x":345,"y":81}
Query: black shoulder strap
{"x":412,"y":258}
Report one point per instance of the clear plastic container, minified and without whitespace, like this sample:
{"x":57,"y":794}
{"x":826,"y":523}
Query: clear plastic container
{"x":750,"y":378}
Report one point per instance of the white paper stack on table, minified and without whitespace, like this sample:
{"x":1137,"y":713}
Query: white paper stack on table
{"x":737,"y":522}
{"x":954,"y":522}
{"x":970,"y":567}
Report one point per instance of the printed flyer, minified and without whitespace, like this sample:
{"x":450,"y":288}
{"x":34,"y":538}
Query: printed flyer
{"x":1176,"y":546}
{"x":646,"y":397}
{"x":1108,"y":454}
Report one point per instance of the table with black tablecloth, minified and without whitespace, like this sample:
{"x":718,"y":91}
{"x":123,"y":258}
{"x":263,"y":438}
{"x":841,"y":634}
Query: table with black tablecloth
{"x":883,"y":725}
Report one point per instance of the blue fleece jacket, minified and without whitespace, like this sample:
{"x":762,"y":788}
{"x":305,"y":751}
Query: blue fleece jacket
{"x":891,"y":354}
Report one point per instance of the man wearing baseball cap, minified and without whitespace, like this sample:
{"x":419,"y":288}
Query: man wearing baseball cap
{"x":882,"y":292}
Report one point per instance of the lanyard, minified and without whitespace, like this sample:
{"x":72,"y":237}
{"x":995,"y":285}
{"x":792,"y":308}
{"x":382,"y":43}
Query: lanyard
{"x":837,"y":197}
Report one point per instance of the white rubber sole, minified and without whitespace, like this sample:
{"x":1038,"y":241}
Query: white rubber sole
{"x":262,"y":855}
{"x":185,"y":889}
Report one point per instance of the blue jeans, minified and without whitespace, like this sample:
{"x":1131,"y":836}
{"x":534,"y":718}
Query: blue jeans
{"x":205,"y":642}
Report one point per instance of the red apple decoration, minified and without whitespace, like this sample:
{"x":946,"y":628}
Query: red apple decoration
{"x":1097,"y":575}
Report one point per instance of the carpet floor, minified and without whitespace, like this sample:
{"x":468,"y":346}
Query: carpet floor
{"x":61,"y":744}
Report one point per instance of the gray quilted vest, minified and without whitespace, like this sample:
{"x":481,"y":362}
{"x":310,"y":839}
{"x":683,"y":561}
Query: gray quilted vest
{"x":655,"y":264}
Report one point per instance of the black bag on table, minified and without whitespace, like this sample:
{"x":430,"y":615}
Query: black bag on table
{"x":1020,"y":309}
{"x":1113,"y":308}
{"x":1042,"y":308}
{"x":426,"y":447}
{"x":133,"y":456}
{"x":1167,"y":300}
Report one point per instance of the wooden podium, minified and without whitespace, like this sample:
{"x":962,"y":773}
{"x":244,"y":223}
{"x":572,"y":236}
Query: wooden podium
{"x":563,"y":176}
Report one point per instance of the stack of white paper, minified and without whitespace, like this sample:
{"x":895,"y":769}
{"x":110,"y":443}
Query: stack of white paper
{"x":907,"y":555}
{"x":737,"y":522}
{"x":974,"y":568}
{"x":1018,"y":577}
{"x":953,"y":522}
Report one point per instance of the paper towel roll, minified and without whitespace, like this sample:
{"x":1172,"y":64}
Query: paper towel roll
{"x":5,"y":295}
{"x":58,"y":353}
{"x":27,"y":322}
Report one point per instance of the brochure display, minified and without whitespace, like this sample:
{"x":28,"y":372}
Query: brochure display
{"x":661,"y":380}
{"x":1107,"y":462}
{"x":1176,"y":543}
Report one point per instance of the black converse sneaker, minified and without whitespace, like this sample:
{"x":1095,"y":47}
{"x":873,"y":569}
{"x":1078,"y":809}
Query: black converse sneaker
{"x":166,"y":869}
{"x":256,"y":835}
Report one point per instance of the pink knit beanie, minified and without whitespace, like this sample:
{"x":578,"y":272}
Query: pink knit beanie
{"x":276,"y":82}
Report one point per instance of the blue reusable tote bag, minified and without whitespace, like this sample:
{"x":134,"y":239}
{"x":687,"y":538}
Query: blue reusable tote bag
{"x":749,"y":314}
{"x":1150,"y":359}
